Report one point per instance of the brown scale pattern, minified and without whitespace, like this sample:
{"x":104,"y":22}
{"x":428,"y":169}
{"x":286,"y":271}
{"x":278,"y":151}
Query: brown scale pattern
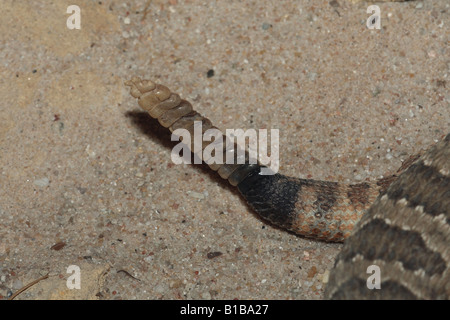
{"x":406,"y":233}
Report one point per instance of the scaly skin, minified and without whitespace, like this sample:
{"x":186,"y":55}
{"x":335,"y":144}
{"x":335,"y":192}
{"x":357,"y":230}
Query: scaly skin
{"x":321,"y":210}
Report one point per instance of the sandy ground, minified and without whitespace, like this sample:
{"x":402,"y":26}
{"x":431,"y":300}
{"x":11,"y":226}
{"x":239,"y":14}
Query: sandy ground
{"x":87,"y":180}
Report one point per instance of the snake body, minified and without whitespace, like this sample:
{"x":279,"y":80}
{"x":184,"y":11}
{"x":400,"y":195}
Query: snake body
{"x":329,"y":211}
{"x":406,"y":233}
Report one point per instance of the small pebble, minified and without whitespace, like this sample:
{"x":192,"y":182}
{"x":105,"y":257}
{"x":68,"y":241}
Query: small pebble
{"x":212,"y":255}
{"x":42,"y":182}
{"x":149,"y":259}
{"x":266,"y":26}
{"x":159,"y":288}
{"x":58,"y":246}
{"x":326,"y":276}
{"x":312,"y":272}
{"x":82,"y":190}
{"x":196,"y":195}
{"x":312,"y":76}
{"x":419,"y":5}
{"x":126,"y":20}
{"x":334,"y":3}
{"x":376,"y":91}
{"x":17,"y":285}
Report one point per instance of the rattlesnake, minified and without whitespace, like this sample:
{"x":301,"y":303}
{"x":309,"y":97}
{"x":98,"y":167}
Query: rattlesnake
{"x":406,"y":233}
{"x":329,"y":211}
